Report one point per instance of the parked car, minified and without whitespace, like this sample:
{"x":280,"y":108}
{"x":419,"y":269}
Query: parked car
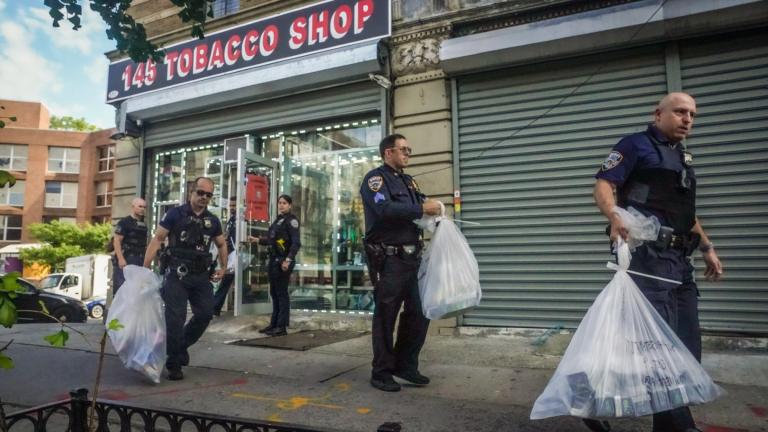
{"x":96,"y":306}
{"x":65,"y":308}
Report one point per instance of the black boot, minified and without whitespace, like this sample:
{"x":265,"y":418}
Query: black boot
{"x":277,"y":331}
{"x":266,"y":329}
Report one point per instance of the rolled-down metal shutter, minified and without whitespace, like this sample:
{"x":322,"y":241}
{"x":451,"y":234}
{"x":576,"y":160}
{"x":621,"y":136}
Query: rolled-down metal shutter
{"x":729,"y":79}
{"x":527,"y":173}
{"x":348,"y":100}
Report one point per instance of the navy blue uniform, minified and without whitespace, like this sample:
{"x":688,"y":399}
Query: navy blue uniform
{"x":187,"y":278}
{"x":134,"y":244}
{"x":391,"y":201}
{"x":284,"y":241}
{"x":226,"y":282}
{"x":655,"y":176}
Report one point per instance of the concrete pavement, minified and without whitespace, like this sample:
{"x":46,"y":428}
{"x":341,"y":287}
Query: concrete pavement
{"x":482,"y":379}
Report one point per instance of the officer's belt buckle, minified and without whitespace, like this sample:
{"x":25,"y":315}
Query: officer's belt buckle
{"x":409,"y":249}
{"x":390,"y":250}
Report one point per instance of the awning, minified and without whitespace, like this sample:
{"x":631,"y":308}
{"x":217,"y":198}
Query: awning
{"x":17,"y":247}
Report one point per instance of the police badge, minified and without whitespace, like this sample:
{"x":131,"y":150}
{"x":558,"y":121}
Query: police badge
{"x":687,"y":158}
{"x":613,"y":160}
{"x":375,"y":182}
{"x":207,"y":223}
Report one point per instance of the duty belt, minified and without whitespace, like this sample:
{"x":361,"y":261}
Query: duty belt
{"x":667,"y":239}
{"x":402,"y":250}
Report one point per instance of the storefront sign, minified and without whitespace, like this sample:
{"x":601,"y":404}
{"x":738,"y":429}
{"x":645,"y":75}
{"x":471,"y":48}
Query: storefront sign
{"x":322,"y":26}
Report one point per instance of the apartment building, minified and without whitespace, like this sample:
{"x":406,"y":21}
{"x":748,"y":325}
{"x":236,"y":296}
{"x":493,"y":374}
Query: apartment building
{"x":60,"y":175}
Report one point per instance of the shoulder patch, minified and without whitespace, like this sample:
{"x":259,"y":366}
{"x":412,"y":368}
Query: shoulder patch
{"x":294,"y":223}
{"x":375,"y":182}
{"x":687,"y":158}
{"x":612,"y":161}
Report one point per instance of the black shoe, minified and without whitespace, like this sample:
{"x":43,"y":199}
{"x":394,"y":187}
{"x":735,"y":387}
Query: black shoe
{"x":184,"y":359}
{"x":597,"y":425}
{"x":266,"y":330}
{"x":385,"y":384}
{"x":175,"y":374}
{"x":277,"y":331}
{"x":413,"y":377}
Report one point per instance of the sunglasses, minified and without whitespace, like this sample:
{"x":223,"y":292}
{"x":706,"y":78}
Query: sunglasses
{"x":202,"y":193}
{"x":405,"y":150}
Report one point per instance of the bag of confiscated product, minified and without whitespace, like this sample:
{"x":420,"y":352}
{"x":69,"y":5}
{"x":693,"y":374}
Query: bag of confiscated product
{"x":140,"y":343}
{"x":624,"y":360}
{"x":449,"y":278}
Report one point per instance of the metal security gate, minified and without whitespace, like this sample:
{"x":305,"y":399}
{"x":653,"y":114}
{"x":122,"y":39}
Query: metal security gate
{"x":729,"y":79}
{"x":530,"y":142}
{"x":335,"y":102}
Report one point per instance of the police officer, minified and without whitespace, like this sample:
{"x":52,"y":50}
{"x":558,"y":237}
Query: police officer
{"x":129,"y":242}
{"x":284,"y":242}
{"x":221,"y":294}
{"x":652,"y":171}
{"x":391,"y":201}
{"x":186,"y":261}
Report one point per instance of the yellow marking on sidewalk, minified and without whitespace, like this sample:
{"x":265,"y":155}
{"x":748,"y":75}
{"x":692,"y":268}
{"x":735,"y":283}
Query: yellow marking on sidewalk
{"x":363,"y":410}
{"x":342,"y":386}
{"x":275,"y":418}
{"x":296,"y":402}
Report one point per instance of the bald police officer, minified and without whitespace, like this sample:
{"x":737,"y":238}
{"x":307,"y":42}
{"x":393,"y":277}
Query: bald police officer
{"x":129,"y":242}
{"x":190,"y":229}
{"x":652,"y":171}
{"x":392,"y":200}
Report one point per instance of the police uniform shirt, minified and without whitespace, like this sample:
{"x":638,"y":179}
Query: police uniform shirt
{"x":284,"y":235}
{"x":637,"y":151}
{"x":134,"y":234}
{"x":211,"y":226}
{"x":391,"y":201}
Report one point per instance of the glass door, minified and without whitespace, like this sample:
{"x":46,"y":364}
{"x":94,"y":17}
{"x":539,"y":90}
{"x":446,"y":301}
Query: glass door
{"x":256,"y":208}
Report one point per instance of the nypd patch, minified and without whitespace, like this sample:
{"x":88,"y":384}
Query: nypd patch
{"x":612,"y":161}
{"x":294,"y":223}
{"x":375,"y":183}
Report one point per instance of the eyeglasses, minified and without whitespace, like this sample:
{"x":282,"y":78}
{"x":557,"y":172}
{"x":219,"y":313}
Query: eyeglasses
{"x":202,"y":193}
{"x":405,"y":150}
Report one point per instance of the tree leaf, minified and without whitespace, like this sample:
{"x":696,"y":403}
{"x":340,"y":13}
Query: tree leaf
{"x":8,"y":314}
{"x":58,"y":339}
{"x":2,"y":124}
{"x":9,"y":282}
{"x":5,"y":362}
{"x":42,"y":307}
{"x":114,"y":325}
{"x":6,"y":178}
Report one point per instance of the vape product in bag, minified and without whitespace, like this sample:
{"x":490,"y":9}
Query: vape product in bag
{"x":624,"y":407}
{"x":582,"y":395}
{"x":606,"y":407}
{"x":643,"y":405}
{"x":660,"y":400}
{"x":678,"y":396}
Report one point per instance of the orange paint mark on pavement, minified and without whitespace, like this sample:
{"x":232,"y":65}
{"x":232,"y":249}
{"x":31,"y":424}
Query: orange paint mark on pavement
{"x":275,"y":418}
{"x":363,"y":410}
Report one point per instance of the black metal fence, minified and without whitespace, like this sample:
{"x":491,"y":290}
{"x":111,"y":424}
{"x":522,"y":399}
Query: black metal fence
{"x":72,"y":416}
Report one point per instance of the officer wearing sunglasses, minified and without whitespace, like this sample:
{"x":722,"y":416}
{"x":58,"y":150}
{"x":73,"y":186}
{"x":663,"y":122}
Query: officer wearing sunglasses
{"x":391,"y":201}
{"x":190,"y":229}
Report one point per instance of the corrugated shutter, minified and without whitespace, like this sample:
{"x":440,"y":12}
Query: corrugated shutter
{"x":302,"y":108}
{"x":729,"y":79}
{"x":541,"y":246}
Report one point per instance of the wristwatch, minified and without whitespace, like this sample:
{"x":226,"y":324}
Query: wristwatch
{"x":706,"y":247}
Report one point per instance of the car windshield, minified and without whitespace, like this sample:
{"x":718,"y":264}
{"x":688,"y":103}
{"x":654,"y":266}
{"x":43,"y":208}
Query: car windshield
{"x":51,"y":281}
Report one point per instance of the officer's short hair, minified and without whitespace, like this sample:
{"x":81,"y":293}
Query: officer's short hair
{"x":388,"y":142}
{"x":203,"y":178}
{"x":287,"y":198}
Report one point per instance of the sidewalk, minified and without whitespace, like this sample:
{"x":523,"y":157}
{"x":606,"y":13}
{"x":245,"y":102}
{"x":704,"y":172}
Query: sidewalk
{"x":482,"y":379}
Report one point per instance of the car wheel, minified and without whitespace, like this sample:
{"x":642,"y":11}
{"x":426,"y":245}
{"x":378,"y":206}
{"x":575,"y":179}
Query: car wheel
{"x":97,"y":311}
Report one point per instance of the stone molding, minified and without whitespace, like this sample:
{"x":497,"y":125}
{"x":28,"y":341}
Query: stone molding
{"x":418,"y":53}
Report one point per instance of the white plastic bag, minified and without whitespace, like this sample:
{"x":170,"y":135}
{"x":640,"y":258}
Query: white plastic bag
{"x":641,"y":228}
{"x":139,"y":308}
{"x":624,"y":360}
{"x":449,"y":278}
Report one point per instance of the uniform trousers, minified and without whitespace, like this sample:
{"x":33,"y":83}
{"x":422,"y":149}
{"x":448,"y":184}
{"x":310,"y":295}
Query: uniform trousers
{"x":678,"y":305}
{"x":398,"y":286}
{"x":117,"y":273}
{"x":221,"y":294}
{"x":278,"y":290}
{"x":197,"y":290}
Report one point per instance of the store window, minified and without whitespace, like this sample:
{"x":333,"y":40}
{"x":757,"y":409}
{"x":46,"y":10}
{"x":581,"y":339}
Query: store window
{"x":321,"y":168}
{"x":13,"y":195}
{"x":13,"y":157}
{"x":104,"y":194}
{"x":107,"y":158}
{"x":101,"y":219}
{"x":10,"y":225}
{"x":60,"y":194}
{"x":222,"y":8}
{"x":64,"y":160}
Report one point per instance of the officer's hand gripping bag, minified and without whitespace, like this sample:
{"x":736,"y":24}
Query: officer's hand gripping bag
{"x":641,"y":228}
{"x":449,"y":278}
{"x":139,"y":308}
{"x":624,"y":360}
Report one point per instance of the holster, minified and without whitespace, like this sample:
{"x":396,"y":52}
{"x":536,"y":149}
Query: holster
{"x":375,"y":255}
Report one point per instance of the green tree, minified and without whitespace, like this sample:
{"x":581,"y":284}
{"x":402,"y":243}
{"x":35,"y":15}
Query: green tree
{"x":130,"y":36}
{"x":72,"y":124}
{"x":2,"y":122}
{"x":64,"y":240}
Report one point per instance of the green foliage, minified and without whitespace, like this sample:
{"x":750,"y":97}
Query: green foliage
{"x":72,"y":124}
{"x":58,"y":339}
{"x":64,"y":240}
{"x":5,"y":362}
{"x":2,"y":122}
{"x":8,"y":291}
{"x":7,"y":178}
{"x":114,"y":325}
{"x":130,"y":36}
